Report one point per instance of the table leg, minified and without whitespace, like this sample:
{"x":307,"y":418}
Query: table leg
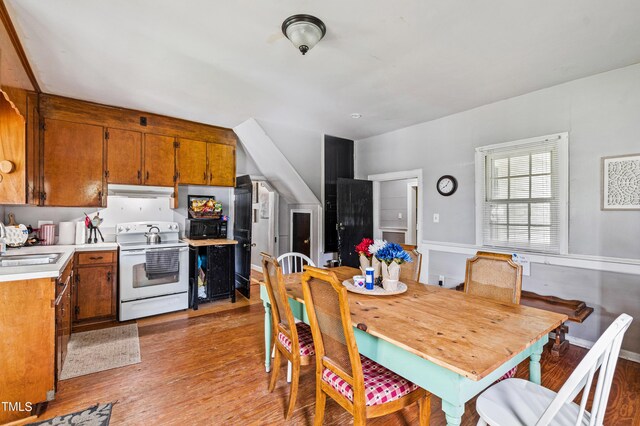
{"x":453,"y":413}
{"x":535,"y":374}
{"x":267,"y":335}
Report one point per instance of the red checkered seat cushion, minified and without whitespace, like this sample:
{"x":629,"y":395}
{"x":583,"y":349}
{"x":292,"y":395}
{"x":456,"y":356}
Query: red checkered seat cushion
{"x":509,"y":374}
{"x":304,"y":338}
{"x":381,"y":385}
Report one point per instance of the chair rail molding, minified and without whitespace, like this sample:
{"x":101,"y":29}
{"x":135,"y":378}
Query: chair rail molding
{"x":596,"y":263}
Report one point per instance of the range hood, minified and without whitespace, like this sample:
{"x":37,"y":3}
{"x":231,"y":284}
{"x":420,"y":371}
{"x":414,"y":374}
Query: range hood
{"x":140,"y":191}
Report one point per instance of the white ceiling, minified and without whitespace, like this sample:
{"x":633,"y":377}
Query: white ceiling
{"x":395,"y":62}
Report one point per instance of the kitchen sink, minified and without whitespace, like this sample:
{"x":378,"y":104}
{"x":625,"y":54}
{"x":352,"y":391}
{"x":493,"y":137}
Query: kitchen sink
{"x":29,"y":259}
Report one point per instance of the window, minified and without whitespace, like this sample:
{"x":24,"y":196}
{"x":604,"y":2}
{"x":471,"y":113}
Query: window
{"x":522,"y":190}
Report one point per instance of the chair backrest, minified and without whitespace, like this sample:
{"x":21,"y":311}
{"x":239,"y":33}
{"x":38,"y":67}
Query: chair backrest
{"x":411,"y":270}
{"x":495,"y":276}
{"x":327,"y":307}
{"x":293,"y":262}
{"x":603,"y":356}
{"x":282,"y":316}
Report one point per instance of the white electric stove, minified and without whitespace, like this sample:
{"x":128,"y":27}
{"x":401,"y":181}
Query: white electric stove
{"x":154,"y":278}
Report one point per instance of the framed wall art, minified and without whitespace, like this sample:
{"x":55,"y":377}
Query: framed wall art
{"x":621,"y":182}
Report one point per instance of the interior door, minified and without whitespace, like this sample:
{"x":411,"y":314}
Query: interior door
{"x":192,"y":162}
{"x":159,"y":160}
{"x":301,"y":232}
{"x":355,"y":217}
{"x":72,"y":164}
{"x":242,"y":233}
{"x":124,"y":157}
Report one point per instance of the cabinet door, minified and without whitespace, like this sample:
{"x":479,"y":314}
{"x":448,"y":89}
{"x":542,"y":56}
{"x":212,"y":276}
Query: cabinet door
{"x":95,"y":292}
{"x":159,"y":160}
{"x":220,"y":280}
{"x":12,"y":134}
{"x":72,"y":164}
{"x":192,"y":162}
{"x":124,"y":157}
{"x":222,"y":164}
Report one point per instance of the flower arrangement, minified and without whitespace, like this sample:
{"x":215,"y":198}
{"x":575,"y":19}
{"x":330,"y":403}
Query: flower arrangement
{"x":392,"y":252}
{"x":384,"y":257}
{"x":363,"y":248}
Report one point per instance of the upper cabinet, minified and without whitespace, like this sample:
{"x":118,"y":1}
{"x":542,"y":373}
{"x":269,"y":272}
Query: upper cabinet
{"x":192,"y":162}
{"x":159,"y":160}
{"x":124,"y":156}
{"x":206,"y":163}
{"x":72,"y":164}
{"x":222,"y":164}
{"x":12,"y":154}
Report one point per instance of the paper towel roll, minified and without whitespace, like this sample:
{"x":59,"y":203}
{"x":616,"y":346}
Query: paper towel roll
{"x":81,"y":231}
{"x":67,"y":233}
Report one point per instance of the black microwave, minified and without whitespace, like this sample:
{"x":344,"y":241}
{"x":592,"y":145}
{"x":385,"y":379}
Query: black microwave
{"x":202,"y":229}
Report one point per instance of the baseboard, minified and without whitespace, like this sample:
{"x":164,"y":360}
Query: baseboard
{"x":588,"y":344}
{"x":256,"y":268}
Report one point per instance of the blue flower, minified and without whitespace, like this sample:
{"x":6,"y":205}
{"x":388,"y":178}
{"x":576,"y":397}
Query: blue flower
{"x":393,"y":252}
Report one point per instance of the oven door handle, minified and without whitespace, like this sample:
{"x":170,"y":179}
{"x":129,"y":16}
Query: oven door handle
{"x":131,"y":252}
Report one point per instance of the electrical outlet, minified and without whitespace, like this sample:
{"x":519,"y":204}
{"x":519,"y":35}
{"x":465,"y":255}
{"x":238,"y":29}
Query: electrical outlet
{"x":399,"y":215}
{"x":440,"y":280}
{"x":436,"y":218}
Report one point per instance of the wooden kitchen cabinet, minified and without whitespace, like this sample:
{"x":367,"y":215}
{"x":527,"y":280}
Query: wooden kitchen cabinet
{"x":159,"y":160}
{"x":192,"y":162}
{"x":72,"y":157}
{"x":27,"y":352}
{"x":124,"y":156}
{"x":96,"y":287}
{"x":64,"y":286}
{"x":222,"y":164}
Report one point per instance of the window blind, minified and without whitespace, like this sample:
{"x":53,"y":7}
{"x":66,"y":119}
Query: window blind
{"x":521,"y":196}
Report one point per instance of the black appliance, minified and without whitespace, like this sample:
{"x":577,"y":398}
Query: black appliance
{"x":202,"y":229}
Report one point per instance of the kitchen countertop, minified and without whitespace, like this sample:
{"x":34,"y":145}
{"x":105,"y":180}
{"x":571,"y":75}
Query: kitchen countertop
{"x":51,"y":270}
{"x":209,"y":242}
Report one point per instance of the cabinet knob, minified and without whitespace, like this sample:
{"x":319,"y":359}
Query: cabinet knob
{"x":109,"y":276}
{"x":7,"y":166}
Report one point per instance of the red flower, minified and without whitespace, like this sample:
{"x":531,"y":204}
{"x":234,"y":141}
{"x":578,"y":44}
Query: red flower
{"x":363,"y":247}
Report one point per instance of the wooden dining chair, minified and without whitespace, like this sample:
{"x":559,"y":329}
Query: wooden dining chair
{"x":494,"y":276}
{"x":361,"y":386}
{"x":293,"y":262}
{"x":521,"y":402}
{"x":411,"y":270}
{"x":293,"y":340}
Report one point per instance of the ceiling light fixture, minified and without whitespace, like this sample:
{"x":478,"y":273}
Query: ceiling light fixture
{"x":356,"y":115}
{"x":304,"y":31}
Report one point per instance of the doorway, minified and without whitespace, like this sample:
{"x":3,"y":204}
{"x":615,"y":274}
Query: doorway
{"x":264,"y":228}
{"x":301,"y":235}
{"x":398,"y":206}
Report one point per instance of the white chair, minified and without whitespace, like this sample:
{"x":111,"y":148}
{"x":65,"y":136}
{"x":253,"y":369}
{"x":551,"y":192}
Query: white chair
{"x":293,"y":262}
{"x":519,"y":402}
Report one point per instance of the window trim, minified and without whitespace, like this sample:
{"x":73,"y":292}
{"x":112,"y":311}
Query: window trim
{"x":563,"y":179}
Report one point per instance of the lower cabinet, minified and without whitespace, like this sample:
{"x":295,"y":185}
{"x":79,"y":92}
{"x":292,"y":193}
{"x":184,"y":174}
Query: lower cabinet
{"x":95,"y":295}
{"x":211,"y":273}
{"x":64,"y":286}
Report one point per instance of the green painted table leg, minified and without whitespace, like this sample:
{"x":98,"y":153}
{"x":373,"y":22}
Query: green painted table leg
{"x":453,"y":413}
{"x":267,"y":335}
{"x":535,"y":373}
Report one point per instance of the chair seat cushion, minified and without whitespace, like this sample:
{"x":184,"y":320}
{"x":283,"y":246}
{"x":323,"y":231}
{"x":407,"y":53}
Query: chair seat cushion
{"x":304,"y":338}
{"x":381,"y":384}
{"x":509,"y":374}
{"x":520,"y":402}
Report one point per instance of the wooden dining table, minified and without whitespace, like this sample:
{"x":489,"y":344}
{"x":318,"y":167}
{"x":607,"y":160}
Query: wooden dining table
{"x":452,"y":344}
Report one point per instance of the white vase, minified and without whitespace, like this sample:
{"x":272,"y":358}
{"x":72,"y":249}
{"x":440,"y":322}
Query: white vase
{"x":376,"y":265}
{"x":390,"y":276}
{"x":364,"y":264}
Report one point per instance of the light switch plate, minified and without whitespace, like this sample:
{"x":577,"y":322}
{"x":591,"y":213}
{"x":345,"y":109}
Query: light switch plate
{"x":436,"y":218}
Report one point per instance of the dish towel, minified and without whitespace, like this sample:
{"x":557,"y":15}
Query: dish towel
{"x":162,"y":262}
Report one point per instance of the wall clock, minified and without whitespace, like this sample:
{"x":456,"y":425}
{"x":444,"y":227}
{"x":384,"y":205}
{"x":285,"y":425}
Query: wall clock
{"x":447,"y":185}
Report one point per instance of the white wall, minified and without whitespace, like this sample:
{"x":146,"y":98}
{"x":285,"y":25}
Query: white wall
{"x":244,"y":163}
{"x":601,"y":114}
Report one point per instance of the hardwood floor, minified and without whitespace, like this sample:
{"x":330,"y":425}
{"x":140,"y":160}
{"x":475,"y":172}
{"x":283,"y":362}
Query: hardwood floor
{"x":207,"y":368}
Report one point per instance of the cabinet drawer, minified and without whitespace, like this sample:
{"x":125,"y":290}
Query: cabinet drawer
{"x":96,"y":257}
